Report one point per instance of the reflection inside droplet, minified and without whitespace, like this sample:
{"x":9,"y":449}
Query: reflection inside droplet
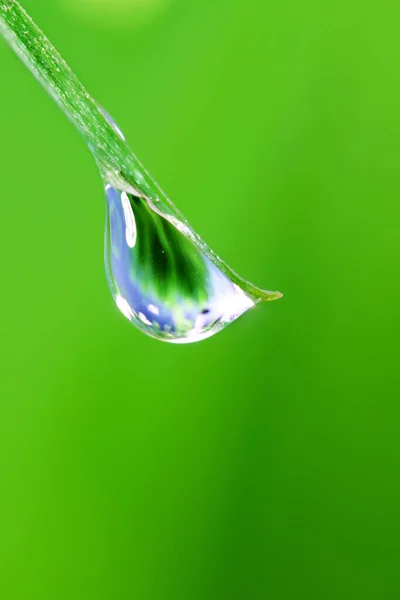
{"x":160,"y":280}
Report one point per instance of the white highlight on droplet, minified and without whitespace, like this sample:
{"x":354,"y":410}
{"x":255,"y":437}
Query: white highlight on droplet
{"x":124,"y":307}
{"x":153,"y":309}
{"x":144,"y":319}
{"x":130,"y":223}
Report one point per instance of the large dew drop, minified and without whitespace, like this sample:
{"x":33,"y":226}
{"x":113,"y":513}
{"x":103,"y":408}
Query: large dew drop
{"x":161,"y":275}
{"x":159,"y":279}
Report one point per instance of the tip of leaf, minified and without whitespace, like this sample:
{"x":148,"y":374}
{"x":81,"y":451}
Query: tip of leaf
{"x":266,"y":296}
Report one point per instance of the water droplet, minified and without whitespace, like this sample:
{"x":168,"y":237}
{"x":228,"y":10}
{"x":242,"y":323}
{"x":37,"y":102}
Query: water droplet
{"x":154,"y":270}
{"x":163,"y":278}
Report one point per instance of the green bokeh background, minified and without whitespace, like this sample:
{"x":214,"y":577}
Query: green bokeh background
{"x":265,"y":461}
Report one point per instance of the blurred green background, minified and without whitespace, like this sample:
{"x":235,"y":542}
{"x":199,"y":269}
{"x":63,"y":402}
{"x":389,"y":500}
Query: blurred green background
{"x":265,"y":461}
